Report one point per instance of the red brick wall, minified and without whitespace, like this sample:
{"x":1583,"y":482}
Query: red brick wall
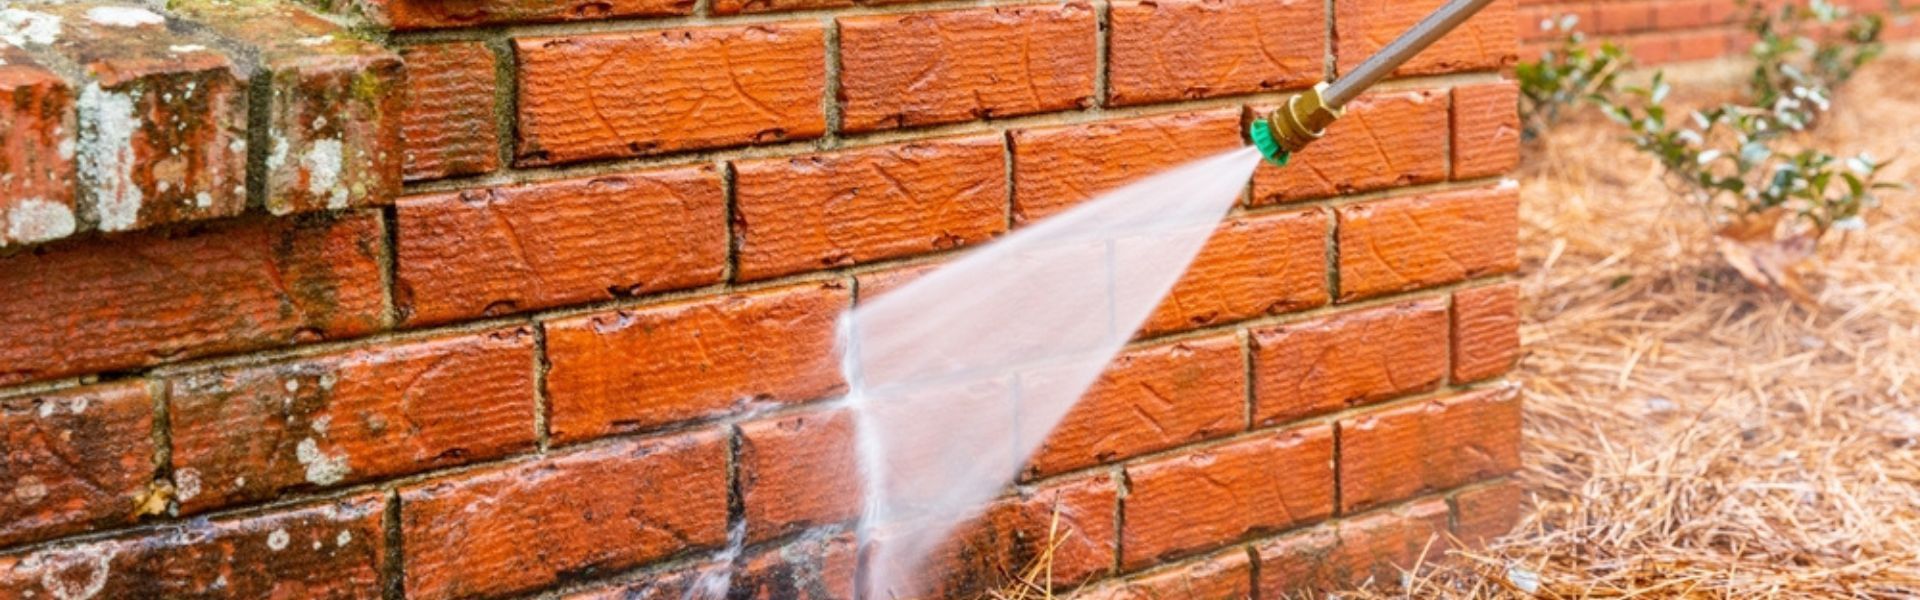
{"x":524,"y":370}
{"x":1665,"y":31}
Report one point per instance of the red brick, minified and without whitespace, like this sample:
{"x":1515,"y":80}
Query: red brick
{"x":1621,"y":18}
{"x":448,"y":126}
{"x":1148,"y":400}
{"x":1405,"y":244}
{"x":1056,"y":168}
{"x":735,"y":7}
{"x":74,"y":459}
{"x":1077,"y":515}
{"x":249,"y":434}
{"x":1223,"y":576}
{"x":1385,"y":141}
{"x":36,"y":175}
{"x":816,"y":567}
{"x":844,"y":208}
{"x":926,"y":68}
{"x":679,"y":583}
{"x":1369,"y":550}
{"x":1486,"y":331}
{"x":870,"y":286}
{"x":1329,"y":364}
{"x":1210,"y":498}
{"x":331,"y":550}
{"x":1484,"y":42}
{"x":144,"y":299}
{"x":1428,"y":446}
{"x":1301,"y":565}
{"x":332,"y":107}
{"x":509,"y":249}
{"x":1383,"y":545}
{"x":161,"y":133}
{"x":1485,"y":514}
{"x":637,"y":369}
{"x":798,"y":471}
{"x":1169,"y":50}
{"x":525,"y":527}
{"x":1486,"y":129}
{"x":643,"y":93}
{"x":436,"y":14}
{"x":1253,"y":266}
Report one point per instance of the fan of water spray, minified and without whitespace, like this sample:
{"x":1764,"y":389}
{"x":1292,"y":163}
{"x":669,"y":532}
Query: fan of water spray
{"x":957,"y":377}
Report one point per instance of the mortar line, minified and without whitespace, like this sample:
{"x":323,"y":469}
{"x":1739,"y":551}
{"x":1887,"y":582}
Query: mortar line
{"x":830,"y":89}
{"x":1103,"y":42}
{"x":735,"y":234}
{"x":394,"y":572}
{"x":1010,"y":168}
{"x":640,"y":24}
{"x":1252,"y":387}
{"x":389,"y":260}
{"x":542,"y":399}
{"x":506,"y":90}
{"x":161,"y":436}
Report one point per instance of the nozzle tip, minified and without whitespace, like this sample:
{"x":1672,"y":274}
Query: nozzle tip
{"x":1262,"y":135}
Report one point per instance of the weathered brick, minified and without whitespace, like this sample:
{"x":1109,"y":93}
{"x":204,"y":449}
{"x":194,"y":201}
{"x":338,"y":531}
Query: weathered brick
{"x":1148,"y":400}
{"x":448,"y":126}
{"x":927,"y":68}
{"x":331,"y":550}
{"x":1253,"y":266}
{"x":1486,"y":331}
{"x":1077,"y":516}
{"x":74,"y":459}
{"x":145,"y":299}
{"x":333,"y":108}
{"x":844,"y":208}
{"x":798,"y":471}
{"x":1410,"y":243}
{"x":509,"y":249}
{"x":1329,"y":364}
{"x":161,"y":120}
{"x":1168,"y":50}
{"x":1368,"y":549}
{"x":1486,"y":129}
{"x":643,"y":93}
{"x":679,"y":583}
{"x":735,"y":7}
{"x":1484,"y":514}
{"x":602,"y":510}
{"x":1484,"y":42}
{"x":440,"y":14}
{"x":1056,"y":168}
{"x":637,"y":369}
{"x":249,"y":434}
{"x":1184,"y":504}
{"x":1385,"y":141}
{"x":36,"y":153}
{"x":1226,"y":575}
{"x":1434,"y":445}
{"x":815,"y":567}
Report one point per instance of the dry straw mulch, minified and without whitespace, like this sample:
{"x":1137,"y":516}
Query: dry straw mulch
{"x":1687,"y":435}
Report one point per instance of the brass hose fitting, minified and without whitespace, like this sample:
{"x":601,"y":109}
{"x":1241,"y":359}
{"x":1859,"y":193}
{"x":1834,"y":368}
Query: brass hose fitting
{"x":1303,"y":119}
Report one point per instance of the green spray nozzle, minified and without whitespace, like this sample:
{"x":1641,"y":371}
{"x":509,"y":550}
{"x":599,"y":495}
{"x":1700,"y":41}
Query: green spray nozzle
{"x":1262,"y":135}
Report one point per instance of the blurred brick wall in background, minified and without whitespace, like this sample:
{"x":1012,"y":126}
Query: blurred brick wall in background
{"x":483,"y":329}
{"x":1665,"y":31}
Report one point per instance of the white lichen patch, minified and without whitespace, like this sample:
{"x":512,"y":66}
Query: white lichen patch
{"x":34,"y":220}
{"x":74,"y":573}
{"x":278,"y":540}
{"x":322,"y":468}
{"x":22,"y":27}
{"x":323,"y":163}
{"x":29,"y":490}
{"x":123,"y":16}
{"x":345,"y":537}
{"x":315,"y":41}
{"x":186,"y":48}
{"x":106,"y":158}
{"x":320,"y":425}
{"x":186,"y":482}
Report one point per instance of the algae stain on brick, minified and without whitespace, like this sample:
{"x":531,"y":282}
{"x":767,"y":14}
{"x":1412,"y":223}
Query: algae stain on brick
{"x":106,"y":156}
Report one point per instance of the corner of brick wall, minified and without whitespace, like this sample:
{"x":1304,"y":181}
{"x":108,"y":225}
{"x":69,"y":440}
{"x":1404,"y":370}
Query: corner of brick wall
{"x":500,"y":350}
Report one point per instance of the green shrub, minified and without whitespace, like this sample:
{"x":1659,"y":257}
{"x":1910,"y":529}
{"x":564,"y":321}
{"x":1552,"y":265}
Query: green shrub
{"x":1571,"y":73}
{"x":1796,"y":71}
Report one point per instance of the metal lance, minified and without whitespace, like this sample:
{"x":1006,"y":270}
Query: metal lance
{"x":1305,"y":116}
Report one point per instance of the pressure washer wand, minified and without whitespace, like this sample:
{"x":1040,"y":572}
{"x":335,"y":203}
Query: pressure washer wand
{"x":1305,"y":116}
